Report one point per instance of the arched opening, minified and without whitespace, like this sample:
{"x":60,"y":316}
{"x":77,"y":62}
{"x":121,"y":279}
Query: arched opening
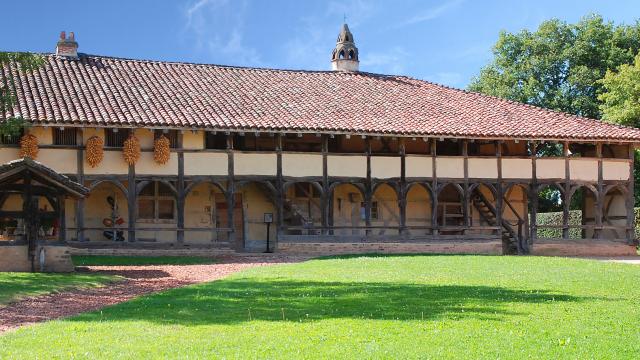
{"x":385,"y":212}
{"x":106,"y":213}
{"x":482,"y":207}
{"x":205,"y":214}
{"x":549,"y":217}
{"x":348,"y":212}
{"x":614,"y":213}
{"x":351,"y":55}
{"x":341,"y":54}
{"x":252,"y":202}
{"x":13,"y":227}
{"x":515,"y":210}
{"x":156,"y":211}
{"x":450,"y":207}
{"x":302,"y":208}
{"x":419,"y":205}
{"x":582,"y":212}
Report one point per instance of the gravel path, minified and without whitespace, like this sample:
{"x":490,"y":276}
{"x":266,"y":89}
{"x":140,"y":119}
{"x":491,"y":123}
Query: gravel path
{"x":139,"y":280}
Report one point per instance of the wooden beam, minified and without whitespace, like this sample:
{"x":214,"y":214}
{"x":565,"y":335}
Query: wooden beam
{"x":132,"y":198}
{"x":567,"y":190}
{"x":368,"y":187}
{"x":533,"y":194}
{"x":434,"y":189}
{"x":280,"y":192}
{"x":231,"y":195}
{"x":402,"y":196}
{"x":597,"y":233}
{"x":631,"y":198}
{"x":325,"y":201}
{"x":181,"y":195}
{"x":62,"y":221}
{"x":466,"y":209}
{"x":80,"y":178}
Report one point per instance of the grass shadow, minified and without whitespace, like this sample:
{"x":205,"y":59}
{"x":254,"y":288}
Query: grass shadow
{"x":239,"y":300}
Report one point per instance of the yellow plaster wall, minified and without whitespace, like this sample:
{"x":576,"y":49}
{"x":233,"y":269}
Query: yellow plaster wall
{"x":346,"y":209}
{"x":483,"y":168}
{"x":347,"y":165}
{"x":146,"y":138}
{"x":96,"y":208}
{"x":8,"y":153}
{"x":550,"y":168}
{"x":516,"y":168}
{"x":615,"y":170}
{"x":255,"y":203}
{"x":61,"y":160}
{"x":388,"y":211}
{"x":208,"y":163}
{"x":89,"y":132}
{"x":418,"y":166}
{"x":146,"y":165}
{"x":193,"y":141}
{"x":198,"y":201}
{"x":450,"y":167}
{"x":385,"y":167}
{"x":44,"y":134}
{"x":418,"y":208}
{"x":583,"y":169}
{"x":112,"y":164}
{"x":301,"y":164}
{"x":615,"y":206}
{"x":255,"y":164}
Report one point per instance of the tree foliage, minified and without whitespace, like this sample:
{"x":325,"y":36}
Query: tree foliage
{"x":621,"y":99}
{"x":559,"y":65}
{"x":26,"y":62}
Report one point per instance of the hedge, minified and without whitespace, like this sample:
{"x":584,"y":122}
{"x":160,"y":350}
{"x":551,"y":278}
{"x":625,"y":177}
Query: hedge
{"x":575,"y":218}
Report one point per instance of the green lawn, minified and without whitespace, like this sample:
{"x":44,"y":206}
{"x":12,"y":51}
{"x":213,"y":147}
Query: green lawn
{"x":14,"y":286}
{"x":86,"y":260}
{"x":368,"y":307}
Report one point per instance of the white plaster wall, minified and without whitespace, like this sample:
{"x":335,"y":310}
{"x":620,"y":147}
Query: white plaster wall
{"x":113,"y":163}
{"x":147,"y":165}
{"x":300,"y":165}
{"x":583,"y":169}
{"x":63,"y":161}
{"x":516,"y":168}
{"x":483,"y":168}
{"x":385,"y":167}
{"x":255,"y":164}
{"x":418,"y":166}
{"x":347,"y":165}
{"x":615,"y":170}
{"x":450,"y":167}
{"x":550,"y":168}
{"x":208,"y":163}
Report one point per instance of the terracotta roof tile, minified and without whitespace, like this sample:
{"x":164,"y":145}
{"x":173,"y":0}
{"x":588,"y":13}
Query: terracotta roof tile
{"x":104,"y":91}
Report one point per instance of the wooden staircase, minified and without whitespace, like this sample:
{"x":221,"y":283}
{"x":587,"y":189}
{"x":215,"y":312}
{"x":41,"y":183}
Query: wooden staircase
{"x":512,"y":238}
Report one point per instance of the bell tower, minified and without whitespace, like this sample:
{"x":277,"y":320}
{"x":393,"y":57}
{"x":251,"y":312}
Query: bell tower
{"x":345,"y":54}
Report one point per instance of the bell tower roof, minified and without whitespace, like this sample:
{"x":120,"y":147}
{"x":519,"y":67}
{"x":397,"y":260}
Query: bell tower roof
{"x":345,"y":54}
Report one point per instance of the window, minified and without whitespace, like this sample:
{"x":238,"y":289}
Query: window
{"x":115,"y":139}
{"x":172,"y":135}
{"x":448,"y":147}
{"x":11,"y":139}
{"x":64,"y":136}
{"x":374,"y":211}
{"x":215,"y":141}
{"x":156,"y":202}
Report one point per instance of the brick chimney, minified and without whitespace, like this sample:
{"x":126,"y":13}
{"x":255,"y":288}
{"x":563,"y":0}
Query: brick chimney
{"x":67,"y":46}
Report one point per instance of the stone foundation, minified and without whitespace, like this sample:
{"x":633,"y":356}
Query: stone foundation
{"x":55,"y":258}
{"x":582,"y":248}
{"x":434,"y":247}
{"x":151,"y":252}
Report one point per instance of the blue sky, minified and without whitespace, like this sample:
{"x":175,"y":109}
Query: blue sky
{"x":446,"y":41}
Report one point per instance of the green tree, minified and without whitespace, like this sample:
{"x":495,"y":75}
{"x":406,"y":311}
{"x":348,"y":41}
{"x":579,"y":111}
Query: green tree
{"x":559,"y":65}
{"x":10,"y":125}
{"x":621,"y":99}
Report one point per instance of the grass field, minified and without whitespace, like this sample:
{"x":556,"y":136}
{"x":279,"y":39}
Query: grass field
{"x":14,"y":286}
{"x":87,"y":260}
{"x":368,"y":307}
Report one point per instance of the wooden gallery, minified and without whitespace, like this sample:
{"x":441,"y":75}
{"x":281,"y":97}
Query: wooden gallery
{"x":168,"y":155}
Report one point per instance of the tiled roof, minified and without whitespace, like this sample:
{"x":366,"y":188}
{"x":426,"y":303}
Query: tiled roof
{"x":103,"y":91}
{"x":44,"y":174}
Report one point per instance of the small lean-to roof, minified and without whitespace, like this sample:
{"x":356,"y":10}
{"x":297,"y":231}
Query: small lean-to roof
{"x":101,"y":91}
{"x":15,"y":168}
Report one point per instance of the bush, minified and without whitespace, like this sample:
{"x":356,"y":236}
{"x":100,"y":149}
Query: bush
{"x":575,"y":218}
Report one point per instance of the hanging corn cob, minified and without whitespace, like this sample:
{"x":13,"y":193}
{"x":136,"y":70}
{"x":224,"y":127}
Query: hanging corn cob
{"x":95,"y":150}
{"x":131,"y":150}
{"x":29,"y":146}
{"x":161,"y":150}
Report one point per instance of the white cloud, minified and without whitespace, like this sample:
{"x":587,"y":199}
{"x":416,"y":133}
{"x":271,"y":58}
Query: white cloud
{"x":431,"y":13}
{"x":217,"y":27}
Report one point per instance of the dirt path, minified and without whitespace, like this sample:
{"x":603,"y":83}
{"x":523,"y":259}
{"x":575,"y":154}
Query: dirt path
{"x":139,"y":280}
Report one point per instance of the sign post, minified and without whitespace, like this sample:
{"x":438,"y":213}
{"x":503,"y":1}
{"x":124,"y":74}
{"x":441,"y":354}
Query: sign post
{"x":268,"y":219}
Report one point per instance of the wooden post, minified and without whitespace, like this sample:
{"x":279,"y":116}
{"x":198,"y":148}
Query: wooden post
{"x":132,"y":196}
{"x":181,"y":198}
{"x":597,"y":232}
{"x":500,"y":189}
{"x":402,"y":196}
{"x":567,"y":190}
{"x":368,"y":188}
{"x":434,"y":189}
{"x":80,"y":178}
{"x":62,"y":221}
{"x":631,"y":197}
{"x":533,"y":194}
{"x":466,"y":210}
{"x":280,"y":196}
{"x":231,"y":194}
{"x":325,"y":186}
